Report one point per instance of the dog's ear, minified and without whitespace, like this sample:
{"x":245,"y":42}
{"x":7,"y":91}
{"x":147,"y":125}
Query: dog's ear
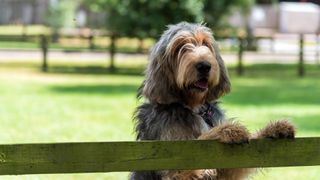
{"x":224,"y":85}
{"x":159,"y":85}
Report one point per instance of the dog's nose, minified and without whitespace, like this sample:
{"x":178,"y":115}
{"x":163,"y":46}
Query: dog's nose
{"x":203,"y":67}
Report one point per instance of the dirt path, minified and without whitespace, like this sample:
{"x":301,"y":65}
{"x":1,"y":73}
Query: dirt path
{"x":249,"y":57}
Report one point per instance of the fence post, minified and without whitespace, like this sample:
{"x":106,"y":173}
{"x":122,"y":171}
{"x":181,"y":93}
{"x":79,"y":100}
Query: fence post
{"x":140,"y":45}
{"x":240,"y":56}
{"x":44,"y":49}
{"x":112,"y":51}
{"x":272,"y":48}
{"x":317,"y":49}
{"x":301,"y":71}
{"x":24,"y":32}
{"x":91,"y":42}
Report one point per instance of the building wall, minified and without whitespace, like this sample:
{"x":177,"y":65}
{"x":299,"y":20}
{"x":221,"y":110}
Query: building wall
{"x":23,"y":11}
{"x":313,"y":1}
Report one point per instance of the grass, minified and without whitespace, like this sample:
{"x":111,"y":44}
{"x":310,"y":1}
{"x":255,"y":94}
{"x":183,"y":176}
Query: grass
{"x":19,"y":29}
{"x":123,"y":45}
{"x":84,"y":102}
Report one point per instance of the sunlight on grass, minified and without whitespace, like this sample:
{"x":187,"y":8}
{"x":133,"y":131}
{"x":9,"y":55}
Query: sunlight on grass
{"x":19,"y":30}
{"x":82,"y":101}
{"x":11,"y":38}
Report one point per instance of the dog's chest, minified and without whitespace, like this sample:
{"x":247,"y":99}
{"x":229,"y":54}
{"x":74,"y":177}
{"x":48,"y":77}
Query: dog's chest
{"x":202,"y":125}
{"x":205,"y":116}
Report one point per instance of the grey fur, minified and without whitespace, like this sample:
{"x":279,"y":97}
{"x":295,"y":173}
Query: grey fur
{"x":165,"y":116}
{"x":168,"y":122}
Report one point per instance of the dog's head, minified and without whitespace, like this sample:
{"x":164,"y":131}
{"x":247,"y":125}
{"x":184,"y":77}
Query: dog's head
{"x":185,"y":66}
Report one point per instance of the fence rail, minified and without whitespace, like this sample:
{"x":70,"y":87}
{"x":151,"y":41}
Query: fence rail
{"x":155,"y":155}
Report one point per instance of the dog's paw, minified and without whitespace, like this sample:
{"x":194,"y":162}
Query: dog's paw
{"x":282,"y":129}
{"x":233,"y":133}
{"x":230,"y":133}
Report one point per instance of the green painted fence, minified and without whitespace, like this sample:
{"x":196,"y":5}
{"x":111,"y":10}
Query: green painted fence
{"x":155,"y":155}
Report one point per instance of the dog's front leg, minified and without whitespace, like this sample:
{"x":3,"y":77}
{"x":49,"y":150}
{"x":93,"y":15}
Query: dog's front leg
{"x":230,"y":133}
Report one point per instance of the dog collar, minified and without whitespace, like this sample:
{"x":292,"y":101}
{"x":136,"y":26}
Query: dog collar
{"x":207,"y":114}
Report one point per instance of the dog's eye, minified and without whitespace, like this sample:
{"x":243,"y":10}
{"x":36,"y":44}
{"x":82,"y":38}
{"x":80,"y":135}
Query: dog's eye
{"x":194,"y":42}
{"x":205,"y":43}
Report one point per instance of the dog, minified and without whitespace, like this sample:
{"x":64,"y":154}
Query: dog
{"x":184,"y":79}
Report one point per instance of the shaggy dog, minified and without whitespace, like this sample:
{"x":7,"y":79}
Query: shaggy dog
{"x":184,"y":79}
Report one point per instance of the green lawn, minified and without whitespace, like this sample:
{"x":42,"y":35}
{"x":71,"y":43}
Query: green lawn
{"x":84,"y":102}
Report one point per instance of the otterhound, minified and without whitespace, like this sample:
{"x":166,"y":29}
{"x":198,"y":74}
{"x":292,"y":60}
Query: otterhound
{"x":184,"y":79}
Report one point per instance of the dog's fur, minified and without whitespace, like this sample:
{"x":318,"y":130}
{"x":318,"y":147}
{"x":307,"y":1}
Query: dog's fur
{"x":184,"y":79}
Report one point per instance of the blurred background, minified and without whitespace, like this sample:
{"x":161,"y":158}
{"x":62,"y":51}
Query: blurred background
{"x":69,"y":70}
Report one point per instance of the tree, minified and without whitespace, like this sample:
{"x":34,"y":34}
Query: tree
{"x":60,"y":14}
{"x":143,"y":18}
{"x":216,"y":12}
{"x":55,"y":18}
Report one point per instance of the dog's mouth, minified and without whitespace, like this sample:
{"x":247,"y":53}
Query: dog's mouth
{"x":202,"y":84}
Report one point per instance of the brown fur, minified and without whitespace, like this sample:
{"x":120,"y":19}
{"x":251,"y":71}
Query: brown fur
{"x":192,"y":51}
{"x":230,"y":133}
{"x":170,"y":72}
{"x":282,"y":129}
{"x":209,"y":174}
{"x":172,"y":107}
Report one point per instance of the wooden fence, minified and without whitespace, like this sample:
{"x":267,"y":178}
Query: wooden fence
{"x":155,"y":155}
{"x":44,"y":42}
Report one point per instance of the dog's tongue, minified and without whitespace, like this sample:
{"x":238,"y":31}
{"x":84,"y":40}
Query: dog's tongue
{"x":202,"y":84}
